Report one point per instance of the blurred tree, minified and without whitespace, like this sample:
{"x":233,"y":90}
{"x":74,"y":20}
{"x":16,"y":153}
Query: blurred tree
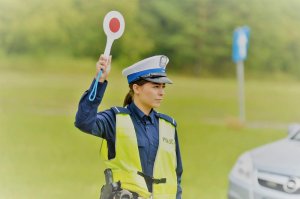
{"x":195,"y":34}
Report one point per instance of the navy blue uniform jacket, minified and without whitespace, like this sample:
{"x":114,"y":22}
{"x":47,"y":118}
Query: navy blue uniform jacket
{"x":103,"y":124}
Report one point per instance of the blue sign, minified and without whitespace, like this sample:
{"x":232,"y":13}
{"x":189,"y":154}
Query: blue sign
{"x":240,"y":43}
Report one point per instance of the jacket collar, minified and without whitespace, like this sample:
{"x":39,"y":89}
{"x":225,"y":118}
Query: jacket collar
{"x":142,"y":116}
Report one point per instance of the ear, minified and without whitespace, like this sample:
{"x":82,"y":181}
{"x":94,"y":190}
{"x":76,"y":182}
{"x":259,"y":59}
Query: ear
{"x":136,"y":89}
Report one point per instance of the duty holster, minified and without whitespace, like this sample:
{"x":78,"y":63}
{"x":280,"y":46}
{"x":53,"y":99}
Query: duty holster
{"x":110,"y":189}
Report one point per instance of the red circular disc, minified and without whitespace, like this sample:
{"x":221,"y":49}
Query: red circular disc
{"x":114,"y":25}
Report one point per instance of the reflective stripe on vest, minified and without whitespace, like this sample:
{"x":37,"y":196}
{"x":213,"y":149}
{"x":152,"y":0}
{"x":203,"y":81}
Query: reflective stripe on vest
{"x":127,"y":163}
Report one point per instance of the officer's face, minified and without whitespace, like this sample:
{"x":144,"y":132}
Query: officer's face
{"x":150,"y":94}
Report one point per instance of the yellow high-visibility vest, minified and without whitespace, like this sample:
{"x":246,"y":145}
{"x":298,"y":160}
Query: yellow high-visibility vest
{"x":126,"y":164}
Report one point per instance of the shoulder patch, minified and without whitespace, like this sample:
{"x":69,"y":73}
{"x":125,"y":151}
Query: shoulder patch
{"x":120,"y":110}
{"x":167,"y":118}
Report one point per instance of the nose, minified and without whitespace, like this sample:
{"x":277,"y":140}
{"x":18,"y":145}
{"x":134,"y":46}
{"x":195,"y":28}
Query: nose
{"x":161,"y":91}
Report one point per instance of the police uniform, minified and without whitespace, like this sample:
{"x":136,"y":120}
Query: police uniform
{"x":146,"y":128}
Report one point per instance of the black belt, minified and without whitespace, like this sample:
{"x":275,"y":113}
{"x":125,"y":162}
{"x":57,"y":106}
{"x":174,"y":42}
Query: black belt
{"x":151,"y":179}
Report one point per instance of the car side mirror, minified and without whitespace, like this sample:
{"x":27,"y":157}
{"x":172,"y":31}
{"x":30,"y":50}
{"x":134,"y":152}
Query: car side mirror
{"x":293,"y":129}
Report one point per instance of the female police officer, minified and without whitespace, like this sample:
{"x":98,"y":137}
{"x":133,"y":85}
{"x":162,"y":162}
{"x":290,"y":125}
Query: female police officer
{"x":142,"y":147}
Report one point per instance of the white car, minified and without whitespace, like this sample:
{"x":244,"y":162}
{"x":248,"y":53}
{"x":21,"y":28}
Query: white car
{"x":271,"y":171}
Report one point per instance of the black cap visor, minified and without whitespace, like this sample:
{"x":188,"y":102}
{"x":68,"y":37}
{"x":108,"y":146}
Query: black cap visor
{"x":159,"y":79}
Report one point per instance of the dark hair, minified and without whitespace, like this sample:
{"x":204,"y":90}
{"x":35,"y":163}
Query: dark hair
{"x":129,"y":97}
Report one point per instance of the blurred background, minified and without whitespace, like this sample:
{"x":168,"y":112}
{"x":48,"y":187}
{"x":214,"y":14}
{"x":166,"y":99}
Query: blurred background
{"x":48,"y":51}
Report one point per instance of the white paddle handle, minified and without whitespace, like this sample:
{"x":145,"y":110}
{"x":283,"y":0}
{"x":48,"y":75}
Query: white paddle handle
{"x":109,"y":43}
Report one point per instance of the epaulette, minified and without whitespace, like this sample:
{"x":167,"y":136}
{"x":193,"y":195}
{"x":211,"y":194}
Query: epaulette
{"x":167,"y":118}
{"x":120,"y":110}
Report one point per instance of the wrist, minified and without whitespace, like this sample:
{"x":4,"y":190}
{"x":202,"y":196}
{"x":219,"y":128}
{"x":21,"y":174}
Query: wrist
{"x":101,"y":80}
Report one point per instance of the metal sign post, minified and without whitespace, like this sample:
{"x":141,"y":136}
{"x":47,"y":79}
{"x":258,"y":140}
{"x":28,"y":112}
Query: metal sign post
{"x":239,"y":54}
{"x":241,"y":93}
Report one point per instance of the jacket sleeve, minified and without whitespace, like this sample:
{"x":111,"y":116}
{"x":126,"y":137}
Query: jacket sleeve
{"x":87,"y":119}
{"x":179,"y":169}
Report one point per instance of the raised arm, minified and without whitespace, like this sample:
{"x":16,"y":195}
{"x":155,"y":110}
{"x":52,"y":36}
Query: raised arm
{"x":100,"y":124}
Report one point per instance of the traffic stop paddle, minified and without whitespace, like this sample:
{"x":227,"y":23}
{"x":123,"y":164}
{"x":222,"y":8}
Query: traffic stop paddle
{"x":113,"y":25}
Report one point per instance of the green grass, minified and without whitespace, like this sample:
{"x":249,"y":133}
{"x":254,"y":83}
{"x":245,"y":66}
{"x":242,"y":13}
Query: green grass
{"x":44,"y":156}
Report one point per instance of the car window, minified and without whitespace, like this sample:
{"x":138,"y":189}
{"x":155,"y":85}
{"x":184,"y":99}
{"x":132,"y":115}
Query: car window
{"x":297,"y":136}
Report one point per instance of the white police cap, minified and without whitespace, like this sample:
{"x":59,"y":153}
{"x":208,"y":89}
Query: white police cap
{"x":152,"y":69}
